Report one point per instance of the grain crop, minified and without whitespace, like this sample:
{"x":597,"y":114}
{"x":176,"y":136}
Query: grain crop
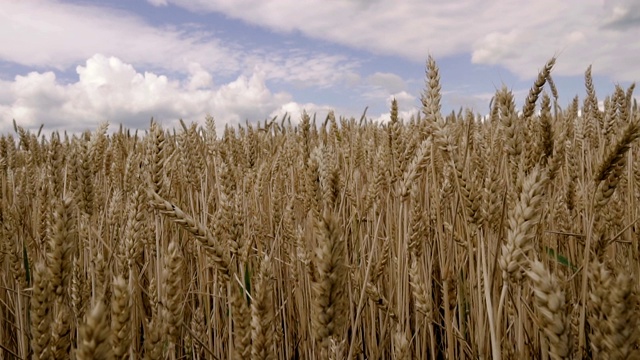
{"x":443,"y":236}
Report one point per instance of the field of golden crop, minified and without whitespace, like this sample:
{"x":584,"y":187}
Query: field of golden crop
{"x":436,"y":237}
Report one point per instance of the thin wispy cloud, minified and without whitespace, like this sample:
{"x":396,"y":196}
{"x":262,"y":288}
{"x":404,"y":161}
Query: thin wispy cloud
{"x":518,"y":35}
{"x":48,"y":34}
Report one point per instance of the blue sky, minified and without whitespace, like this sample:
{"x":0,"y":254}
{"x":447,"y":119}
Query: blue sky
{"x":72,"y":64}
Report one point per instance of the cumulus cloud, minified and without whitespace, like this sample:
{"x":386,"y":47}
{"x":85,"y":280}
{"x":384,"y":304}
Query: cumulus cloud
{"x":190,"y":70}
{"x":407,"y":107}
{"x":403,"y":115}
{"x":295,"y":110}
{"x":51,"y":34}
{"x":199,"y":77}
{"x":247,"y":98}
{"x":521,"y":36}
{"x":109,"y":89}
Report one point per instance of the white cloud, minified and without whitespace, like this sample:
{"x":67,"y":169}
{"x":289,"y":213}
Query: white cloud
{"x":403,"y":115}
{"x":407,"y":107}
{"x":295,"y":111}
{"x":247,"y":98}
{"x":382,"y":86}
{"x":495,"y":46}
{"x":390,"y":82}
{"x":51,"y":34}
{"x":199,"y":77}
{"x":382,"y":27}
{"x":403,"y":98}
{"x":303,"y":69}
{"x":187,"y":70}
{"x":519,"y":35}
{"x":109,"y":89}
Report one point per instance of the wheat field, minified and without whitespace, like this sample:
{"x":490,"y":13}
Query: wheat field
{"x":455,"y":236}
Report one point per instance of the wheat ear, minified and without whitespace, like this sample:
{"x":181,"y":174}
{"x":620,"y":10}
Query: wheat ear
{"x":623,"y":337}
{"x":522,"y":222}
{"x":120,"y":318}
{"x":173,"y":291}
{"x":330,"y":313}
{"x":262,"y":315}
{"x":550,"y":302}
{"x":93,"y":342}
{"x":41,"y":313}
{"x":219,"y":255}
{"x":543,"y":75}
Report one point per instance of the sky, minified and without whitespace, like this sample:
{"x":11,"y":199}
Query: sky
{"x":73,"y":64}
